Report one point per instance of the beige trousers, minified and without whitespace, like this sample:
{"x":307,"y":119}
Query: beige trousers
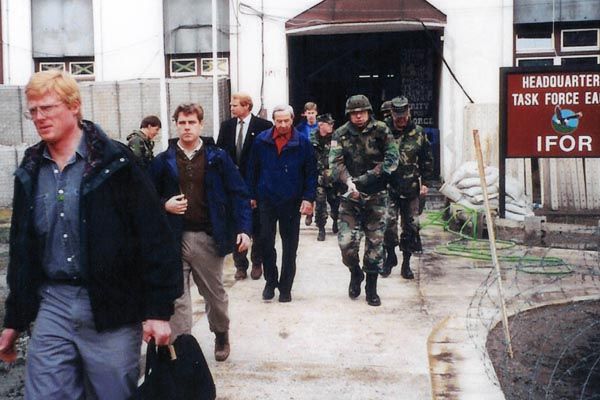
{"x":201,"y":260}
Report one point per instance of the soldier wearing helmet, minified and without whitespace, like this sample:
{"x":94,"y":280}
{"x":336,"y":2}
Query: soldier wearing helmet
{"x":327,"y":191}
{"x":386,"y":109}
{"x":406,"y":185}
{"x":363,"y":151}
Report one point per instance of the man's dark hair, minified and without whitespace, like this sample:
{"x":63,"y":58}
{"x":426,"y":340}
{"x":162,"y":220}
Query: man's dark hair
{"x":187,"y":109}
{"x":150,"y":120}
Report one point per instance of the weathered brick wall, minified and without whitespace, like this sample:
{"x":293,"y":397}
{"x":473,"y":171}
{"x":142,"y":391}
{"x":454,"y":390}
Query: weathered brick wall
{"x":116,"y":106}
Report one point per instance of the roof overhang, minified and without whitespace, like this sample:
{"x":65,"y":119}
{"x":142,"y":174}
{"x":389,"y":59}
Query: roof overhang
{"x":355,"y":16}
{"x":362,"y":27}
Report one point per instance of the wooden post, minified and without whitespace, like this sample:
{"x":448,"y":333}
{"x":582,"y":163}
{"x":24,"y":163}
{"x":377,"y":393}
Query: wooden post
{"x":492,"y":237}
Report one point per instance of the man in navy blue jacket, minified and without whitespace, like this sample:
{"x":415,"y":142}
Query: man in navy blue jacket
{"x":208,"y":207}
{"x":282,"y":177}
{"x":90,"y":254}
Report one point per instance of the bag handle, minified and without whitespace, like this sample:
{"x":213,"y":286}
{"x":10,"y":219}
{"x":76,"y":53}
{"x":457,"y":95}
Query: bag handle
{"x":152,"y":355}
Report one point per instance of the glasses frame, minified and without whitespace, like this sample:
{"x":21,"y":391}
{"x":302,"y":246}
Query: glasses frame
{"x":44,"y":110}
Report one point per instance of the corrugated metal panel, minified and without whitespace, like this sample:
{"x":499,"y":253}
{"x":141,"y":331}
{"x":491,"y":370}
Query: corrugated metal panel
{"x":62,"y":28}
{"x":536,"y":11}
{"x":187,"y":26}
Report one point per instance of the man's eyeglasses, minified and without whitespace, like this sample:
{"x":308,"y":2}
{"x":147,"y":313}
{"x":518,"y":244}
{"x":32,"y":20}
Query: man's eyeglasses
{"x":40,"y":110}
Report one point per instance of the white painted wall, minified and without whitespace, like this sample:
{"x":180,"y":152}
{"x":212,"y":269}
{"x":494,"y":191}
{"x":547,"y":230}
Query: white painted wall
{"x":128,"y":39}
{"x":16,"y":32}
{"x":477,"y":42}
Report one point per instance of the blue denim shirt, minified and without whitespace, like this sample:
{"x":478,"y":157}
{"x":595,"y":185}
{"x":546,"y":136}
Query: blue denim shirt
{"x":56,"y":213}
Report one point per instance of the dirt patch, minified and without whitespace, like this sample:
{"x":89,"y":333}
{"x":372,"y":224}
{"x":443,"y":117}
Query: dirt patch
{"x":556,"y":353}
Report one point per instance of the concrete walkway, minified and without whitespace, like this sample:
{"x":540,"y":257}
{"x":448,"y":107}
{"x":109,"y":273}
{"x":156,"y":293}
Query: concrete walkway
{"x":427,"y":340}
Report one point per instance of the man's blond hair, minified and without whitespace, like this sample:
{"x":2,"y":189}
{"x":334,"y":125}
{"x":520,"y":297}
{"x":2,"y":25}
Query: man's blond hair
{"x":59,"y":82}
{"x":244,"y":99}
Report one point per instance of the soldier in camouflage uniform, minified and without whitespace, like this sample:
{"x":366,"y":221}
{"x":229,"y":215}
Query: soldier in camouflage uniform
{"x":386,"y":109}
{"x":405,"y":186}
{"x":327,"y":190}
{"x":141,"y":141}
{"x":363,"y":151}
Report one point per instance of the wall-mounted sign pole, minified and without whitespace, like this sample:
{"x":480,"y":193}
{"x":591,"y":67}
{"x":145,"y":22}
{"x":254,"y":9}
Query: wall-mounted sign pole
{"x":492,"y":238}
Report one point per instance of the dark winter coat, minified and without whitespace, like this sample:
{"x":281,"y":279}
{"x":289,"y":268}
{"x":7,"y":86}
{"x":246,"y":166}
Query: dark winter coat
{"x":228,"y":200}
{"x":129,"y":261}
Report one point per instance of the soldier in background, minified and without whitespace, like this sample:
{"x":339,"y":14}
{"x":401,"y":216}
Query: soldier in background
{"x":415,"y":163}
{"x":363,"y":150}
{"x":386,"y":110}
{"x":327,"y":191}
{"x":141,"y":141}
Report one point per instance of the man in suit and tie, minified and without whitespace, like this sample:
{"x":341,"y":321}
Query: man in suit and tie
{"x":236,"y":136}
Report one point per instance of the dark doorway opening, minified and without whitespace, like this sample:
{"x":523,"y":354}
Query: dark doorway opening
{"x":327,"y":69}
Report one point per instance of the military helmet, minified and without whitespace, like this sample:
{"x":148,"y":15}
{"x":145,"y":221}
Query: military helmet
{"x":386,"y":106}
{"x":358,"y":102}
{"x":400,"y":105}
{"x":326,"y":118}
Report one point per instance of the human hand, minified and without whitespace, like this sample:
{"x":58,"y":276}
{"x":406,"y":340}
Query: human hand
{"x":352,"y":189}
{"x":424,"y":190}
{"x":157,"y":329}
{"x":253,"y":204}
{"x":243,"y":242}
{"x":8,"y":352}
{"x":306,"y":208}
{"x":176,"y":204}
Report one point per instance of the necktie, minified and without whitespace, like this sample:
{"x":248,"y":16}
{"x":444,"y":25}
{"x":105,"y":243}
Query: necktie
{"x":240,"y":140}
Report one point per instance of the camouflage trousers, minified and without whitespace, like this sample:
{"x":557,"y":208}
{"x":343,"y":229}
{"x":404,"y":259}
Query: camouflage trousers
{"x":366,"y":217}
{"x":410,"y":240}
{"x":326,"y":195}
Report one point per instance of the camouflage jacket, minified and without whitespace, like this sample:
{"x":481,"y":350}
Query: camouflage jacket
{"x":366,"y":156}
{"x":141,"y":146}
{"x":322,"y":144}
{"x":415,"y":161}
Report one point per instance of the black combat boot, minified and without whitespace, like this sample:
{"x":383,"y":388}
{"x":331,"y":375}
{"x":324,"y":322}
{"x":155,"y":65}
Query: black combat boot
{"x":321,"y":235}
{"x":390,"y":261}
{"x":406,"y":271}
{"x":371,"y":290}
{"x":335,"y":228}
{"x":356,"y":277}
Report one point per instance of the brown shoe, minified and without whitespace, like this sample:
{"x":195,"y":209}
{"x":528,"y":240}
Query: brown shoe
{"x":240,"y":274}
{"x":256,"y":271}
{"x":222,"y":347}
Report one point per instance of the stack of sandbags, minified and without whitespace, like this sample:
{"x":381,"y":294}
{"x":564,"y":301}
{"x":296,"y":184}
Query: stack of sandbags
{"x":465,"y":189}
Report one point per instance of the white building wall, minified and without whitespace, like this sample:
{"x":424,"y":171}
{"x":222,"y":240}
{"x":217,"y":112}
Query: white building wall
{"x":128,"y":39}
{"x":477,"y":42}
{"x":16,"y":33}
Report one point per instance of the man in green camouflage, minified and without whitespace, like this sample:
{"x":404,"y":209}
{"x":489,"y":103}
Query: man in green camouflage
{"x":141,"y":141}
{"x":407,"y":184}
{"x":363,"y":151}
{"x":327,"y":191}
{"x":386,"y":109}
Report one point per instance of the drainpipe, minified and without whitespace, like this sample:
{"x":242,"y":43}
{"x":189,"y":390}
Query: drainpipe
{"x":215,"y":79}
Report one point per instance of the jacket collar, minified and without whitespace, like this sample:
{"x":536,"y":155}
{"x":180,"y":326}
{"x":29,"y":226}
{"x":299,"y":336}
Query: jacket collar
{"x":294,"y":139}
{"x":100,"y":151}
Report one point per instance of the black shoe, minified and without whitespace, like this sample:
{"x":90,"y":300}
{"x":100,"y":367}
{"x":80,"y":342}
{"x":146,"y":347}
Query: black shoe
{"x":371,"y":290}
{"x":308,"y":220}
{"x":285,"y":297}
{"x":356,"y":277}
{"x":321,"y":235}
{"x":390,"y":261}
{"x":335,"y":228}
{"x":406,"y":271}
{"x":268,"y":293}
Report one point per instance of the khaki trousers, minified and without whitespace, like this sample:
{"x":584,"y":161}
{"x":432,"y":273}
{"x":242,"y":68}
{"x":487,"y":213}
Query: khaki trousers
{"x":201,"y":260}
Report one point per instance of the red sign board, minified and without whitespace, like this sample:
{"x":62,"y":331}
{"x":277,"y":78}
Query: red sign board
{"x":552,"y":114}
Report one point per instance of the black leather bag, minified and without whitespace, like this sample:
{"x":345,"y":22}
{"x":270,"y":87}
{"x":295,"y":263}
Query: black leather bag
{"x":176,"y":372}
